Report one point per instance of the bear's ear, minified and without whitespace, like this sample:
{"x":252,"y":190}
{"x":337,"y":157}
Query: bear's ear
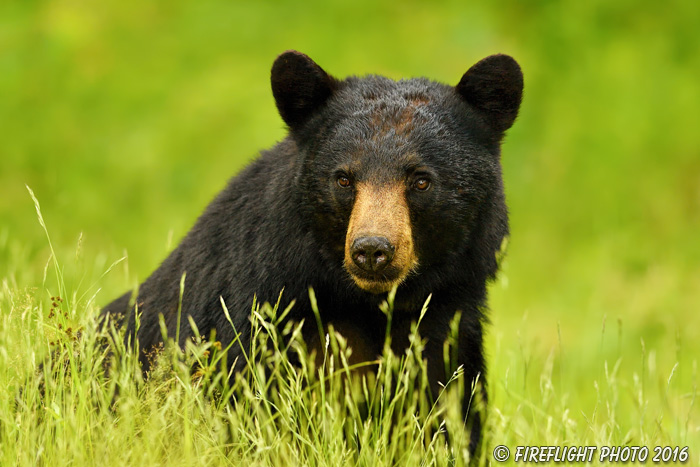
{"x":300,"y":87}
{"x":495,"y":87}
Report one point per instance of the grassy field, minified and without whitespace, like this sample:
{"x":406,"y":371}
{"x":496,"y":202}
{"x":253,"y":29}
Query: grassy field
{"x":126,"y":118}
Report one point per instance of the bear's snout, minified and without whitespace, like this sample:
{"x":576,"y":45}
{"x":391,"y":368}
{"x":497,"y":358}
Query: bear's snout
{"x":372,"y":254}
{"x":379,"y":249}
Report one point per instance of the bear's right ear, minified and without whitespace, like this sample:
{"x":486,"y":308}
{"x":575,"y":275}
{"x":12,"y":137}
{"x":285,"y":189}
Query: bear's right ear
{"x":495,"y":87}
{"x":300,"y":87}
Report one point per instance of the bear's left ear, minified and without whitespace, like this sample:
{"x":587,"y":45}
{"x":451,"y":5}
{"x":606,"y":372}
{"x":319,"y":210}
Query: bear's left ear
{"x":495,"y":87}
{"x":300,"y":87}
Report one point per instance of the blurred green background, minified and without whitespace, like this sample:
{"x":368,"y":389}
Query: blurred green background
{"x":127,"y":117}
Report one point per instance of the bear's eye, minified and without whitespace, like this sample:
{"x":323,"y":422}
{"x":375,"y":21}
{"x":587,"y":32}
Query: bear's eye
{"x":343,"y":181}
{"x":422,"y":184}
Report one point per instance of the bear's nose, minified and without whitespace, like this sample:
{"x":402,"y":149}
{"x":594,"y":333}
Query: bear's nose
{"x":372,"y":254}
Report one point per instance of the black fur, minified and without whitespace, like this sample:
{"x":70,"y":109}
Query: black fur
{"x":281,"y":222}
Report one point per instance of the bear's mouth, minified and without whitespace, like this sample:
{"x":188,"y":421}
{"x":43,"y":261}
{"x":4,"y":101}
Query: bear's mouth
{"x":376,"y":283}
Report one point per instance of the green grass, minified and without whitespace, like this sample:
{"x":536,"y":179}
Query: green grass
{"x":127,"y":118}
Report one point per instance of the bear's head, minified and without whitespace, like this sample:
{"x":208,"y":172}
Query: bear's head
{"x":401,"y":177}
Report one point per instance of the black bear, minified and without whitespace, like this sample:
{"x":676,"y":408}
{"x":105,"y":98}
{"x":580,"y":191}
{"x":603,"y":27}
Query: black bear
{"x":379,"y":183}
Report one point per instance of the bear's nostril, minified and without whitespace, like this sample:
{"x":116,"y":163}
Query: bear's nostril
{"x":372,"y":254}
{"x":379,"y":258}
